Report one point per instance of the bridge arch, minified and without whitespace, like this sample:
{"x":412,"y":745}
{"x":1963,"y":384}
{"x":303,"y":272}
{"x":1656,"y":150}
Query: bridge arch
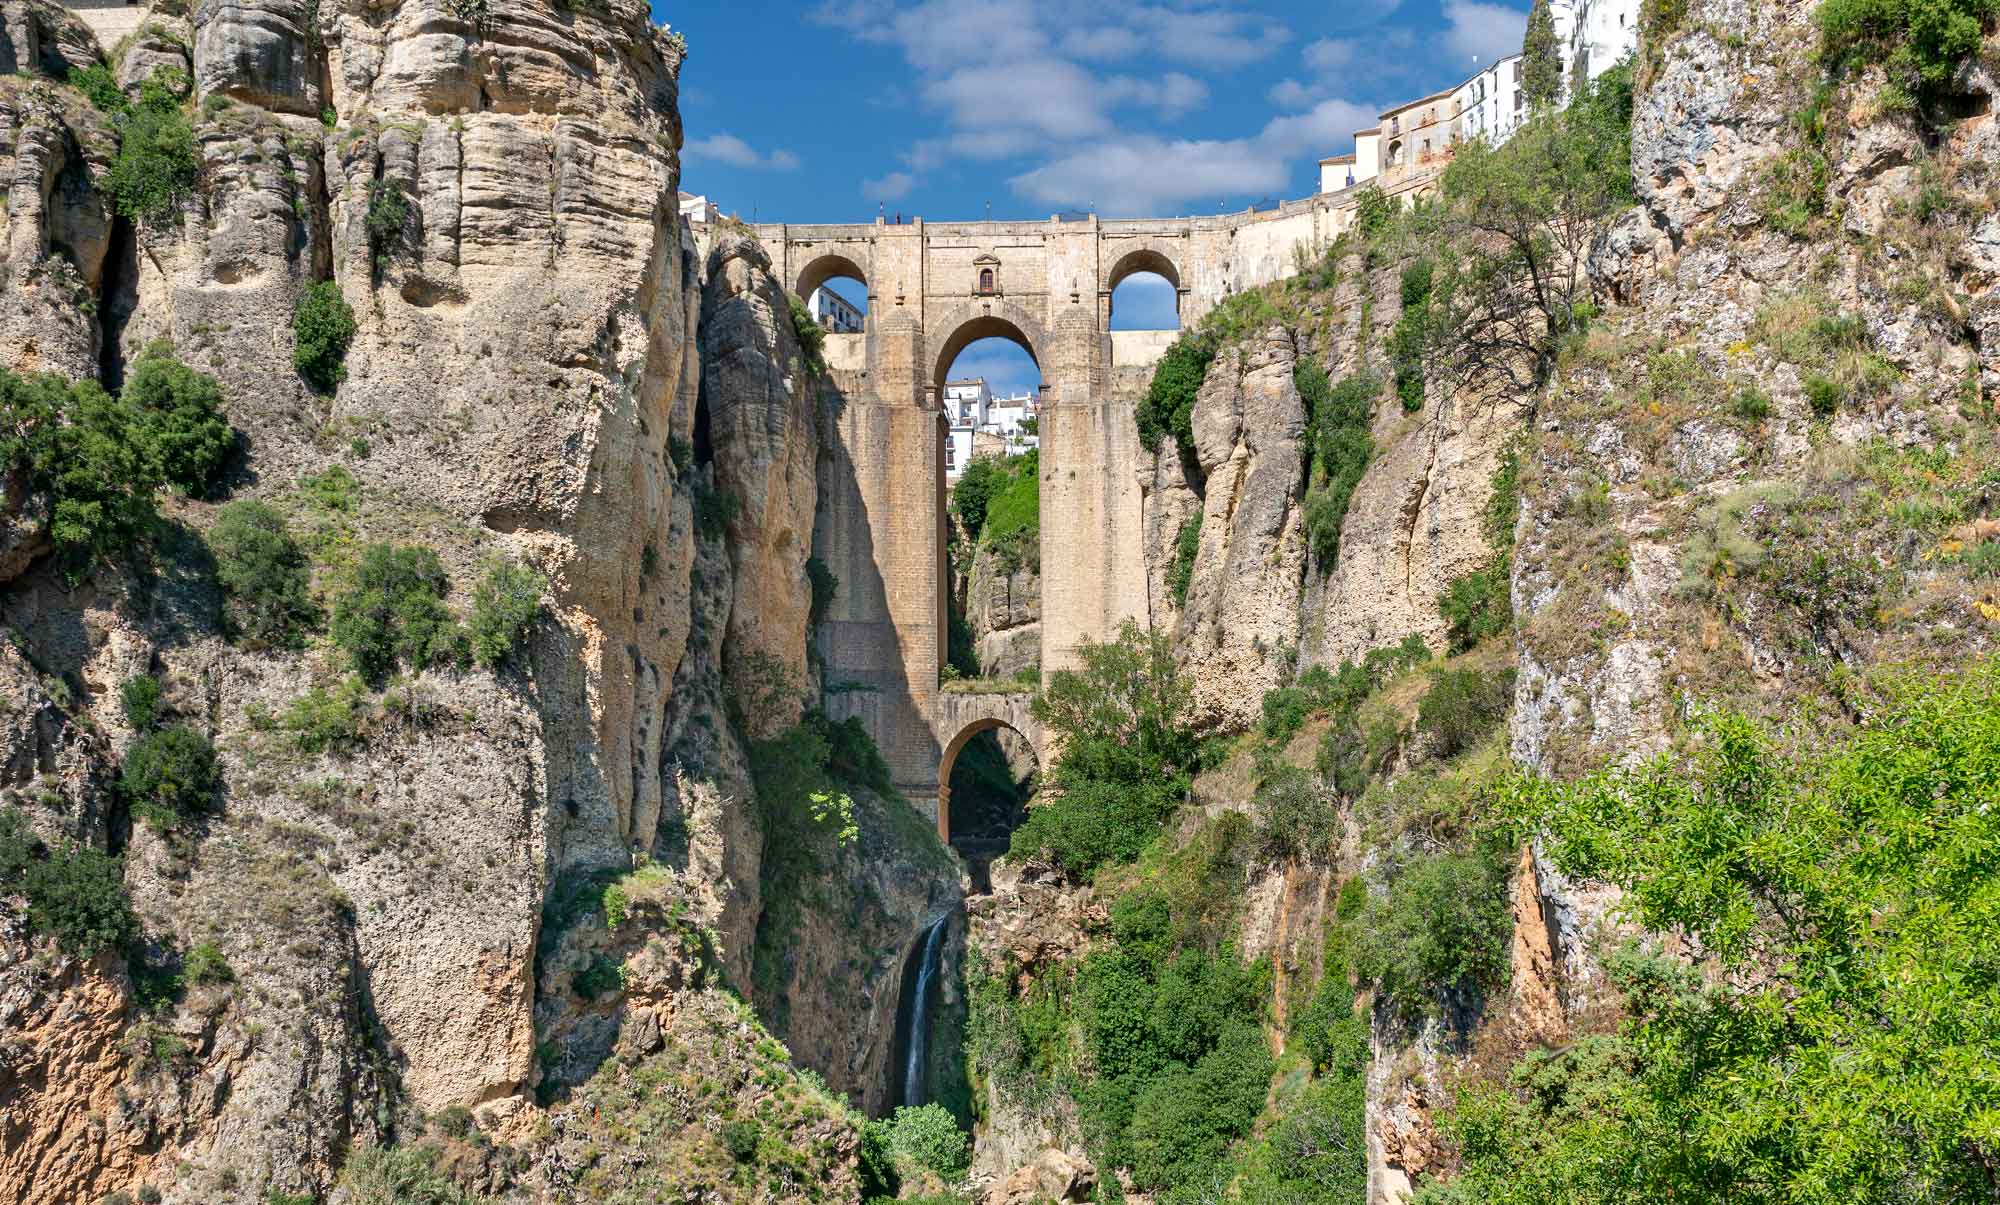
{"x":961,"y":717}
{"x":988,"y":319}
{"x":821,"y":269}
{"x":1143,"y":259}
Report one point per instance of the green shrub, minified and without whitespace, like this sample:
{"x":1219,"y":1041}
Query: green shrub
{"x":740,"y":1139}
{"x":386,"y":221}
{"x":205,"y":966}
{"x":322,"y":330}
{"x":825,"y":586}
{"x":1461,"y":707}
{"x":101,"y":460}
{"x":1752,"y":404}
{"x":1187,"y":546}
{"x":811,"y":337}
{"x":320,"y":719}
{"x":264,"y":575}
{"x":100,"y":87}
{"x":394,"y":613}
{"x":139,"y":698}
{"x":1300,"y":820}
{"x":1441,"y":929}
{"x":1374,"y":212}
{"x":973,"y":492}
{"x":181,"y":427}
{"x":158,"y":163}
{"x":1921,"y":42}
{"x":1339,"y":447}
{"x":929,"y":1137}
{"x":170,"y":776}
{"x":714,"y":509}
{"x":76,"y":894}
{"x":455,"y":1121}
{"x":1168,"y":407}
{"x":386,"y":1175}
{"x":1408,"y":342}
{"x":1126,"y":756}
{"x":1478,"y":606}
{"x":1183,"y":1122}
{"x":505,"y":604}
{"x":601,"y":978}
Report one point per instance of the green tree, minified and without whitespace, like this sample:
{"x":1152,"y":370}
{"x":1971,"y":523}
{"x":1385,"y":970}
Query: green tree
{"x":158,"y":163}
{"x":78,"y":895}
{"x":180,"y":424}
{"x":394,"y":613}
{"x":1834,"y":1039}
{"x":1541,"y":58}
{"x":1168,"y":407}
{"x":505,"y":604}
{"x":1920,"y":42}
{"x":264,"y":574}
{"x":322,"y":330}
{"x":974,"y":493}
{"x":1514,"y":233}
{"x":171,"y":776}
{"x":1126,"y":758}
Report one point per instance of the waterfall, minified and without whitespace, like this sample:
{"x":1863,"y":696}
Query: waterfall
{"x":916,"y":1053}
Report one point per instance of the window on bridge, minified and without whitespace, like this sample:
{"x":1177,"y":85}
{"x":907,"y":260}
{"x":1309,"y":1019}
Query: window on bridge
{"x":1145,"y":301}
{"x":992,"y":782}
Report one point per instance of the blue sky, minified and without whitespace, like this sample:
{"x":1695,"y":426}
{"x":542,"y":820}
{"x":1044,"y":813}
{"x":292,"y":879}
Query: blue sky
{"x":835,"y":110}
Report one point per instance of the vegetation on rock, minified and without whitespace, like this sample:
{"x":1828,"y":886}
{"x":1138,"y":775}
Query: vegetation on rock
{"x":322,"y":330}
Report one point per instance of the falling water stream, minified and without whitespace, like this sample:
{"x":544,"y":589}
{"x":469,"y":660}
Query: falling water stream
{"x":916,"y":1051}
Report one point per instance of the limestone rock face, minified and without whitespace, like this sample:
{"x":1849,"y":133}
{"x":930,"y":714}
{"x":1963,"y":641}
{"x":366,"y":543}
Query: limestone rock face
{"x":1242,"y":607}
{"x":1003,"y":607}
{"x":55,"y":228}
{"x":762,"y":421}
{"x":39,"y":36}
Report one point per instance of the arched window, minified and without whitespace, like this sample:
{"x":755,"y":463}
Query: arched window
{"x":986,"y":280}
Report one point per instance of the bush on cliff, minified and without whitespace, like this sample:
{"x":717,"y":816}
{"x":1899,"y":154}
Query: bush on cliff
{"x":1921,"y":42}
{"x":1126,"y":756}
{"x":101,"y":460}
{"x":170,"y":776}
{"x":75,"y":894}
{"x":1168,"y":407}
{"x":505,"y":605}
{"x":158,"y":163}
{"x":322,"y":330}
{"x":394,"y":613}
{"x":264,"y":575}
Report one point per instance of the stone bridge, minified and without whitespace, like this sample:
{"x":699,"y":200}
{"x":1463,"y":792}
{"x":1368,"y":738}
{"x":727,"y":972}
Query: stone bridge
{"x":933,"y":289}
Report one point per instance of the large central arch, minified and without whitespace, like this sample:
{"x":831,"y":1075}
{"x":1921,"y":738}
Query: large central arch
{"x":984,"y":319}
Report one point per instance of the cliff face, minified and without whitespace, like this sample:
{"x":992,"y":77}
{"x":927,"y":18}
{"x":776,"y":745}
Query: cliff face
{"x":545,"y":367}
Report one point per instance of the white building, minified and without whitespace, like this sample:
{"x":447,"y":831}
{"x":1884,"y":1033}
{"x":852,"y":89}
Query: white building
{"x":699,"y":210}
{"x":982,"y":425}
{"x":1596,"y":34}
{"x":1491,"y":103}
{"x":835,"y":314}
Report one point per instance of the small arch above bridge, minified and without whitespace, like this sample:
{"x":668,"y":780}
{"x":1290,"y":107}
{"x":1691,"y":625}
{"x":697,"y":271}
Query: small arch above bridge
{"x":959,"y":716}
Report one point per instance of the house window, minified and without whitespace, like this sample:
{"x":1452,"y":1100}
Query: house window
{"x":986,"y":280}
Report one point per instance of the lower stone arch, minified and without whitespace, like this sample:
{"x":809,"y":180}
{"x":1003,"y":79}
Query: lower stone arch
{"x":961,"y":717}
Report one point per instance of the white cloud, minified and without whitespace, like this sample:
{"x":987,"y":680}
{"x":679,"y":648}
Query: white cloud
{"x":1483,"y":31}
{"x":728,"y":148}
{"x":1210,"y":36}
{"x":892,"y":187}
{"x":1330,"y":54}
{"x":1149,"y":175}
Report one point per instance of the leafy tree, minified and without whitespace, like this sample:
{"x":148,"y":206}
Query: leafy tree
{"x":139,"y":698}
{"x":386,"y":221}
{"x":322,"y":330}
{"x":1411,"y":336}
{"x":1462,"y":706}
{"x":1374,"y":212}
{"x":1126,"y":756}
{"x":1834,"y":1039}
{"x":170,"y":776}
{"x":180,"y":423}
{"x":158,"y":163}
{"x":264,"y":573}
{"x":394,"y":613}
{"x":76,"y":894}
{"x":1921,"y":42}
{"x":505,"y":604}
{"x":1187,"y":547}
{"x":974,"y":491}
{"x":1516,"y":226}
{"x":1541,"y":58}
{"x":1183,"y":1121}
{"x":1168,"y":407}
{"x":1440,"y":930}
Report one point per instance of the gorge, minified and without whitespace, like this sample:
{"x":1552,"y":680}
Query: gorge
{"x":1501,"y":708}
